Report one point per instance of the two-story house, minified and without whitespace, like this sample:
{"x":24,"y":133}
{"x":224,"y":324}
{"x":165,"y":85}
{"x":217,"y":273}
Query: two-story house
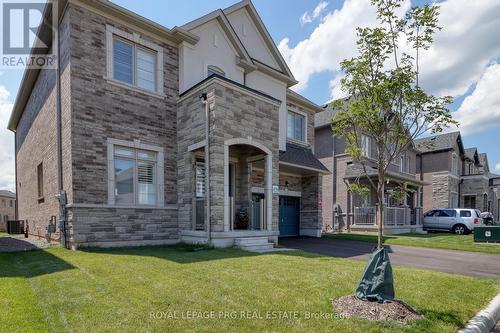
{"x":456,"y":177}
{"x":151,"y":135}
{"x":345,"y":210}
{"x":7,"y":208}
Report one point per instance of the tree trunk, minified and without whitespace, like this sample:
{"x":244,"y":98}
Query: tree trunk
{"x":380,"y":213}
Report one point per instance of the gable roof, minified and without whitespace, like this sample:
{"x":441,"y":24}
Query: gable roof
{"x":220,"y":14}
{"x":440,"y":142}
{"x":471,"y":154}
{"x":297,"y":98}
{"x":483,"y":161}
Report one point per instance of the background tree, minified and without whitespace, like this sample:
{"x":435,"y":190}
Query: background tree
{"x":386,"y":101}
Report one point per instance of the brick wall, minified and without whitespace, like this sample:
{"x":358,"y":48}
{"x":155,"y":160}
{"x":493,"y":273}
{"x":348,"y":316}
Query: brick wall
{"x":36,"y":143}
{"x":102,"y":110}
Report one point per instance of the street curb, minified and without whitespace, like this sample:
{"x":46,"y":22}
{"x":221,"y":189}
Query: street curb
{"x":486,"y":319}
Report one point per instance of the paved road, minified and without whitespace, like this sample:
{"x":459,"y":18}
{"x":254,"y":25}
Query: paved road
{"x":457,"y":262}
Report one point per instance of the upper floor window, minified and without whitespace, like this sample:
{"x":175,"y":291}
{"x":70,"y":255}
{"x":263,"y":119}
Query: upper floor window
{"x":404,"y":165}
{"x":366,"y":146}
{"x":211,"y":70}
{"x":134,"y":61}
{"x":134,"y":64}
{"x":454,"y":164}
{"x":296,"y":126}
{"x":135,"y":174}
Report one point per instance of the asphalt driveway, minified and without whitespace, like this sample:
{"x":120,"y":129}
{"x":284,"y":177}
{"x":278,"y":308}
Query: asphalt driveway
{"x":456,"y":262}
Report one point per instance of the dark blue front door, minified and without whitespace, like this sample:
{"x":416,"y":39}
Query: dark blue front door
{"x":289,"y":216}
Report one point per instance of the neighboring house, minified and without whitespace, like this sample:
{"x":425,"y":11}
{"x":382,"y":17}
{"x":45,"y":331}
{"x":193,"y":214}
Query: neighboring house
{"x":440,"y":164}
{"x":127,"y":150}
{"x":456,"y":177}
{"x":345,"y":210}
{"x":7,"y":208}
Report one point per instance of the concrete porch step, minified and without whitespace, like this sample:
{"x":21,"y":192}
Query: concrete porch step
{"x":244,"y":241}
{"x":257,"y":247}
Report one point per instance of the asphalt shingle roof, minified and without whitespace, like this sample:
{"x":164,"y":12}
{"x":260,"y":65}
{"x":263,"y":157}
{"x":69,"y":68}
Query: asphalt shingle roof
{"x":437,"y":142}
{"x":470,"y":153}
{"x":303,"y":156}
{"x":6,"y":193}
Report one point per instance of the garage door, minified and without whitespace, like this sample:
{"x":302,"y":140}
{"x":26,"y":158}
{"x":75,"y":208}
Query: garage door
{"x":289,"y":216}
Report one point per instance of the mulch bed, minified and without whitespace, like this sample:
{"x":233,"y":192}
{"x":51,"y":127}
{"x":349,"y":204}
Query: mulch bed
{"x":396,"y":311}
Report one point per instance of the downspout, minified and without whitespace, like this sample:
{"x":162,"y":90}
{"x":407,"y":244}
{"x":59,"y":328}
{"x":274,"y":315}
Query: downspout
{"x":334,"y":186}
{"x":16,"y":208}
{"x":460,"y":191}
{"x":203,"y":98}
{"x":61,"y":196}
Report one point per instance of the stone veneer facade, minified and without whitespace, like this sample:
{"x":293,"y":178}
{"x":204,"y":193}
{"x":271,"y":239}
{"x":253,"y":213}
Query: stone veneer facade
{"x":96,"y":109}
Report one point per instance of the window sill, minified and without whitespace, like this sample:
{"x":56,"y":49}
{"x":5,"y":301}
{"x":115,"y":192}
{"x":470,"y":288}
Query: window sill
{"x":298,"y":142}
{"x":134,"y":88}
{"x":82,"y":205}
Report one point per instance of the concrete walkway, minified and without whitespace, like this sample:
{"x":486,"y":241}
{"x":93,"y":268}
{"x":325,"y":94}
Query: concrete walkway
{"x":449,"y":261}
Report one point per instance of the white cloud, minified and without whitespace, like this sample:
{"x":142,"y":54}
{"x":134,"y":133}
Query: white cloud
{"x":333,"y":40}
{"x":468,"y":43}
{"x":309,"y":17}
{"x":7,"y":173}
{"x":481,"y":109}
{"x":497,"y":167}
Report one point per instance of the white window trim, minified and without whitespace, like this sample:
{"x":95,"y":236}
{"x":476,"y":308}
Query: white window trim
{"x":301,"y":113}
{"x":134,"y":38}
{"x":136,"y":144}
{"x":369,"y":152}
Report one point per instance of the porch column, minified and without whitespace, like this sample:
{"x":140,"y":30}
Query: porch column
{"x":226,"y":188}
{"x":269,"y":191}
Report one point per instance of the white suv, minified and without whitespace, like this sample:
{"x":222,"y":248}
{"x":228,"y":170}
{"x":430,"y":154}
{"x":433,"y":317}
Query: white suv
{"x":458,"y":220}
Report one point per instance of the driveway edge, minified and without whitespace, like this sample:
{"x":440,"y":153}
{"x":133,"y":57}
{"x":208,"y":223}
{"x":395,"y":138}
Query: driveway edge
{"x":486,"y":319}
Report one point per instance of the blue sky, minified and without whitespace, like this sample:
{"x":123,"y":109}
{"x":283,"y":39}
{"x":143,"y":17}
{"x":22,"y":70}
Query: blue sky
{"x":464,"y":64}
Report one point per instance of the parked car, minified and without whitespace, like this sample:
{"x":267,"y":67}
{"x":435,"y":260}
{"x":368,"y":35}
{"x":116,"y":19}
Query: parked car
{"x":487,"y":218}
{"x":458,"y":220}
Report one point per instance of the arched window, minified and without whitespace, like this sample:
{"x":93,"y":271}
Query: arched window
{"x":214,"y":70}
{"x":485,"y":202}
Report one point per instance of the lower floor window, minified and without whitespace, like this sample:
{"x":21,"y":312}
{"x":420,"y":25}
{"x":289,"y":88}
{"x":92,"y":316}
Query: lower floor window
{"x":135,"y":174}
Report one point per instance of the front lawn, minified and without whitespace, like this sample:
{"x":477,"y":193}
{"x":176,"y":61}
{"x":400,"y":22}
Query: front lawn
{"x":446,"y":241}
{"x":136,"y":289}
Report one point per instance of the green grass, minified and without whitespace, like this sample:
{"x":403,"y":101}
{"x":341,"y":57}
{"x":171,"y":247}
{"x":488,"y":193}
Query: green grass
{"x":446,"y":241}
{"x":3,"y":234}
{"x":117,"y":290}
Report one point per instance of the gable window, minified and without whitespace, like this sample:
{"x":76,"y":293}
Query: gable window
{"x":365,"y":146}
{"x":296,"y":126}
{"x":133,"y":64}
{"x":39,"y":176}
{"x":214,"y":70}
{"x":135,"y":174}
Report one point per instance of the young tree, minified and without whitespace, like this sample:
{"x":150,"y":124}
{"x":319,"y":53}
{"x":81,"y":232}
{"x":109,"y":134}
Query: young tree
{"x":386,"y":101}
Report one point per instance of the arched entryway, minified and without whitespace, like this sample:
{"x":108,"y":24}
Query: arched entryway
{"x":241,"y":157}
